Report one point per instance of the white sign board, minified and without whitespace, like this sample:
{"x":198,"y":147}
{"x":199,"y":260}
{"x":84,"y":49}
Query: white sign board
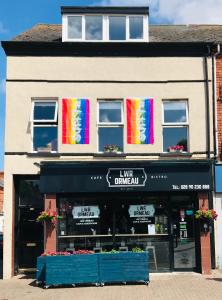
{"x":85,"y":212}
{"x":141,"y":211}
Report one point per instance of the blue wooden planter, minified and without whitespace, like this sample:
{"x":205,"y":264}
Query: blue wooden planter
{"x":41,"y":266}
{"x":124,"y":267}
{"x":93,"y":268}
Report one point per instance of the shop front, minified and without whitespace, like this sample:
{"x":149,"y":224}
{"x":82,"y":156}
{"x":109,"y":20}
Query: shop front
{"x":130,"y":205}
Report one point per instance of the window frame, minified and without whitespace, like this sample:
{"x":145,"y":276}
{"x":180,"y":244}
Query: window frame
{"x":176,"y":124}
{"x":110,"y":124}
{"x":43,"y":123}
{"x":105,"y":28}
{"x":44,"y":120}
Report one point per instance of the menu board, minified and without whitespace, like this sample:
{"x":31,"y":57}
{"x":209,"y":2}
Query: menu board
{"x":86,"y":215}
{"x":142,"y":213}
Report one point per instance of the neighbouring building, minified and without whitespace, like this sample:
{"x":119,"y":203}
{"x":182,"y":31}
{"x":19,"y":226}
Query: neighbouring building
{"x":113,"y":127}
{"x":218,"y":156}
{"x":1,"y":200}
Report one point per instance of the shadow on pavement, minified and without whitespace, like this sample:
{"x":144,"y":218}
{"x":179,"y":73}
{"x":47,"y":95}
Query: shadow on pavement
{"x":215,"y":279}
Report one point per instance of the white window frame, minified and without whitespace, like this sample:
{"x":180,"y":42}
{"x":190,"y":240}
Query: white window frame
{"x":45,"y":120}
{"x":176,"y":124}
{"x":43,"y":123}
{"x":110,"y":124}
{"x":105,"y":28}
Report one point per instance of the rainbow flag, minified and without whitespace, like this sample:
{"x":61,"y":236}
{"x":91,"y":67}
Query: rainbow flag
{"x":75,"y":121}
{"x":140,"y":121}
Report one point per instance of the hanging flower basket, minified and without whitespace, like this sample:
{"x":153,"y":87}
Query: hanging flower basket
{"x":48,"y":216}
{"x":206,"y":217}
{"x":206,"y":214}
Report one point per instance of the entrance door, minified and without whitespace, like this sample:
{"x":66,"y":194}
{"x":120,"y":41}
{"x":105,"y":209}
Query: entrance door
{"x":30,"y":237}
{"x":183,"y":231}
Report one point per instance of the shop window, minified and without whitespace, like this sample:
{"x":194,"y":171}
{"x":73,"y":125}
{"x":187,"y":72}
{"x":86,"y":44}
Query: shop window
{"x":103,"y":223}
{"x":110,"y":125}
{"x":44,"y":125}
{"x":175,"y":125}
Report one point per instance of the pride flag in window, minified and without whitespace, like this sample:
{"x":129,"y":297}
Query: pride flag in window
{"x":140,"y":121}
{"x":75,"y":121}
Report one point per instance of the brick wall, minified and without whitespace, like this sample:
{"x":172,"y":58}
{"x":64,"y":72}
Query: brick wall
{"x":219,"y":104}
{"x":1,"y":193}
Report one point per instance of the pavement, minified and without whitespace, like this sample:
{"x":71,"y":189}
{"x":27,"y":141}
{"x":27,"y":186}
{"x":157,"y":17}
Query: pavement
{"x":171,"y":286}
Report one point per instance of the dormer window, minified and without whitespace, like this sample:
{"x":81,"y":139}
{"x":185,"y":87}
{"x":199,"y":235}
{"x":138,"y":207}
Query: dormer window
{"x":100,"y":24}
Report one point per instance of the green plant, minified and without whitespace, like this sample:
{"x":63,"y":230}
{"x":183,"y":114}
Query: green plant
{"x":137,"y":250}
{"x":110,"y":252}
{"x":111,"y":148}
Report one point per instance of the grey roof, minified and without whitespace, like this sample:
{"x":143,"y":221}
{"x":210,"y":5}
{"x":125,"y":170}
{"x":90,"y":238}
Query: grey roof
{"x":157,"y":33}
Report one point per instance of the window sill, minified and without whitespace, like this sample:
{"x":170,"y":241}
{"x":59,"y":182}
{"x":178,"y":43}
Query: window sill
{"x":43,"y":154}
{"x":176,"y":154}
{"x":109,"y":154}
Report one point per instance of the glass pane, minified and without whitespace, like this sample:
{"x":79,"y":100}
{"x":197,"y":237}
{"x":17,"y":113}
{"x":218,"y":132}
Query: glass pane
{"x":175,"y":112}
{"x":173,"y":137}
{"x":45,"y":138}
{"x":74,"y":27}
{"x":136,"y":27}
{"x":183,"y":234}
{"x":44,"y":111}
{"x":94,"y":27}
{"x":110,"y":136}
{"x":110,"y":112}
{"x":117,"y":28}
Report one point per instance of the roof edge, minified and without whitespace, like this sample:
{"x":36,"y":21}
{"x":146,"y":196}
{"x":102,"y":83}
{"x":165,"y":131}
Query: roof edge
{"x":141,"y":10}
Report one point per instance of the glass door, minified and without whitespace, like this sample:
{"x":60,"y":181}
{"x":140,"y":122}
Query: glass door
{"x":183,"y":233}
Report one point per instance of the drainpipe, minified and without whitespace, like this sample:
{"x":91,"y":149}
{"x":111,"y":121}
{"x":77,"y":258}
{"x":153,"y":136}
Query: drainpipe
{"x":214,"y":101}
{"x":207,"y":104}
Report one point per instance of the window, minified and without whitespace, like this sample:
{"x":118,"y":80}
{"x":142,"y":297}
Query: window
{"x":175,"y":124}
{"x":75,"y":27}
{"x":44,"y":125}
{"x":117,"y":28}
{"x":135,"y":27}
{"x":110,"y":124}
{"x":105,"y":28}
{"x":94,"y":27}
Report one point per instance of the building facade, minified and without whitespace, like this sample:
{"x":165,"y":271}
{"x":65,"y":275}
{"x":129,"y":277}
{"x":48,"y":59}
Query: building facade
{"x":113,"y":129}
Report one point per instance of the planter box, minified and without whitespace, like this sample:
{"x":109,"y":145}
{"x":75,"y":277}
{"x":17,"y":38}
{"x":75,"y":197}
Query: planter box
{"x":93,"y":268}
{"x":124,"y":267}
{"x":73,"y":269}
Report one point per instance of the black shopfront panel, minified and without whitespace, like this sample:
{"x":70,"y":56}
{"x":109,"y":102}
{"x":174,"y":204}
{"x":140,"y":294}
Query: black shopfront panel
{"x":125,"y":176}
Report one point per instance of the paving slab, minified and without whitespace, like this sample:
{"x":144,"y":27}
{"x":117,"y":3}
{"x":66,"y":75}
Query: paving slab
{"x":172,"y":286}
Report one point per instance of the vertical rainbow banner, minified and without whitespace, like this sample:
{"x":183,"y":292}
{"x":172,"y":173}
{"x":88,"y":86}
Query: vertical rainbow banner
{"x":140,"y":121}
{"x":75,"y":121}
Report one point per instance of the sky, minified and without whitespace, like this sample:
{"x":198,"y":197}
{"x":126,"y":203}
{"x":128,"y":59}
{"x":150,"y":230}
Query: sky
{"x":17,"y":16}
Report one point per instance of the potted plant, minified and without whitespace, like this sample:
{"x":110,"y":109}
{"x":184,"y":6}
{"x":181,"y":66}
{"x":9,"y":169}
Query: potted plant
{"x":206,"y":216}
{"x":177,"y":148}
{"x":111,"y":148}
{"x":48,"y":216}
